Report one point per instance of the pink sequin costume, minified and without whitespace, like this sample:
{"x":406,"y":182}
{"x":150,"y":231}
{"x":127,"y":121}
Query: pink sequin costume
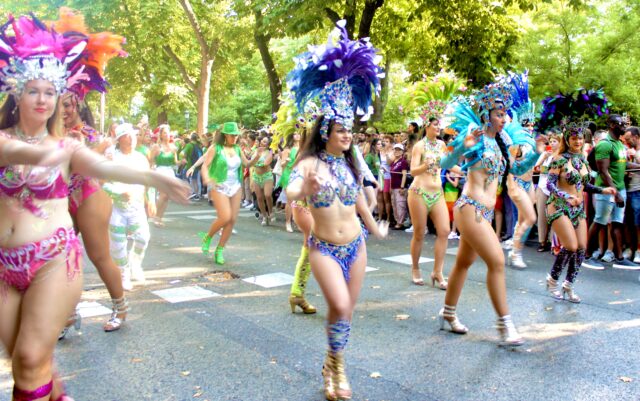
{"x":19,"y":265}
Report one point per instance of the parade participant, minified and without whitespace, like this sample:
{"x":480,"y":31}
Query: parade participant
{"x":129,"y":215}
{"x":542,"y":193}
{"x":222,"y":173}
{"x":426,"y":200}
{"x":40,"y":253}
{"x":287,"y":159}
{"x":303,"y":219}
{"x":483,"y":142}
{"x":327,"y":176}
{"x":569,"y":177}
{"x":520,"y":186}
{"x":262,"y":178}
{"x":165,"y":157}
{"x":90,"y":207}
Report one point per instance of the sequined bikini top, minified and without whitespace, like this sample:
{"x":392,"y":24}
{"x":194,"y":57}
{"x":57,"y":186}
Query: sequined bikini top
{"x":347,"y":188}
{"x":492,"y":160}
{"x":436,"y":151}
{"x":28,"y":183}
{"x":574,"y":177}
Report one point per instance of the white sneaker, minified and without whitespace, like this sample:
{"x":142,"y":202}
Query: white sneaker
{"x":248,"y":206}
{"x":289,"y":228}
{"x":596,"y":254}
{"x":627,"y":254}
{"x":409,"y":230}
{"x":126,"y":280}
{"x":608,"y":257}
{"x":453,"y":235}
{"x":637,"y":257}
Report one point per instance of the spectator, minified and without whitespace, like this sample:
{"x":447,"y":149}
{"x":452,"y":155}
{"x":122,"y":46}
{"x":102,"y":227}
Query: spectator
{"x":399,"y":169}
{"x":632,"y":135}
{"x":611,"y":160}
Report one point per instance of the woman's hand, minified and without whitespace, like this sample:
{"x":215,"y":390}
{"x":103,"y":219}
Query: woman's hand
{"x":176,"y":189}
{"x":311,"y":184}
{"x":609,"y":191}
{"x":189,"y":172}
{"x":574,"y":201}
{"x":383,"y":230}
{"x":472,"y":138}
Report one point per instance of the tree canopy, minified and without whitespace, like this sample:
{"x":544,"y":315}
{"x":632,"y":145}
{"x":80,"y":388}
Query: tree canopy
{"x":228,"y":59}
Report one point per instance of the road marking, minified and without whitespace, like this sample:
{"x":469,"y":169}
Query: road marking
{"x":188,"y":212}
{"x":91,"y":309}
{"x":371,"y":269}
{"x":406,"y":259}
{"x":270,"y":280}
{"x":184,"y":294}
{"x":203,"y":217}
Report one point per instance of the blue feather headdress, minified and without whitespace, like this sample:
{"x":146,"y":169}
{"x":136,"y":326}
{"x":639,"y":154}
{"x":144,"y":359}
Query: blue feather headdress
{"x":343,"y":75}
{"x":522,"y":109}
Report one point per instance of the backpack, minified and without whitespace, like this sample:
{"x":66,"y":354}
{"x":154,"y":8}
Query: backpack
{"x":196,"y":152}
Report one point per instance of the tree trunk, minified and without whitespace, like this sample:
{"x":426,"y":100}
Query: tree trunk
{"x":380,"y":102}
{"x":202,"y":94}
{"x":369,"y":11}
{"x":275,"y":85}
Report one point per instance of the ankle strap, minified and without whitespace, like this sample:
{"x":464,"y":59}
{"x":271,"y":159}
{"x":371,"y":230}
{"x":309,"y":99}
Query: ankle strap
{"x":30,"y":395}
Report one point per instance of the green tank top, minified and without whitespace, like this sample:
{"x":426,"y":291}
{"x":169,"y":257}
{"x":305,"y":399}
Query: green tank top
{"x":165,"y":159}
{"x":286,"y":172}
{"x":218,"y":167}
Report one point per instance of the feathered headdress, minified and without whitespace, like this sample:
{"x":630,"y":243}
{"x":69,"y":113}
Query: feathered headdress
{"x":69,"y":59}
{"x":101,"y":47}
{"x":433,"y":109}
{"x":523,"y":109}
{"x":343,"y":75}
{"x":493,"y":96}
{"x":572,"y":114}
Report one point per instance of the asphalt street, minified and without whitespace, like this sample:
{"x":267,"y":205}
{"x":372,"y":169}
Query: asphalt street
{"x":240,"y":341}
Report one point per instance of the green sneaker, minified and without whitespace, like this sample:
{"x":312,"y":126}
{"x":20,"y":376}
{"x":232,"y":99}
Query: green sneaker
{"x":219,"y":258}
{"x":206,"y":242}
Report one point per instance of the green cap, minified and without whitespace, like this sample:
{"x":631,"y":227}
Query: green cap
{"x":213,"y":127}
{"x":230,"y":129}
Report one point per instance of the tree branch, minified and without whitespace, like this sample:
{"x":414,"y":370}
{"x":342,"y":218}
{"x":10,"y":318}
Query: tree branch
{"x":213,"y":48}
{"x":193,"y":20}
{"x":333,"y":16}
{"x":181,"y":67}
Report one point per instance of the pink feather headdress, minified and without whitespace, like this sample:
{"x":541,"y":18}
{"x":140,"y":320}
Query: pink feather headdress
{"x":31,"y":50}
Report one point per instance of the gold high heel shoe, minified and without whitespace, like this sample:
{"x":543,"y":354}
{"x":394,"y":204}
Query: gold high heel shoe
{"x":448,"y":314}
{"x":340,"y":381}
{"x":327,"y":375}
{"x":306,"y":307}
{"x":567,"y":289}
{"x":441,"y":284}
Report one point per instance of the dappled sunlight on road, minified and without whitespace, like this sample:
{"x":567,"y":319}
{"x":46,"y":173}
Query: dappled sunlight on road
{"x":548,"y":331}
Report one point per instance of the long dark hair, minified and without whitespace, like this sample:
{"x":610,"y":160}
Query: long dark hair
{"x":10,"y":116}
{"x":314,"y":144}
{"x":372,"y":147}
{"x":503,"y":150}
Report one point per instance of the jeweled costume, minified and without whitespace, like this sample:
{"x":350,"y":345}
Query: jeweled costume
{"x":570,"y":114}
{"x":32,"y":51}
{"x":490,"y":155}
{"x":343,"y":76}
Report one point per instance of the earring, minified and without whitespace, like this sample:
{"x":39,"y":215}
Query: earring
{"x":15,"y":110}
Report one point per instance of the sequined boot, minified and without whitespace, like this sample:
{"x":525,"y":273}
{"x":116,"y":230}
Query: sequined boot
{"x":30,"y":395}
{"x":301,"y":276}
{"x":218,"y":256}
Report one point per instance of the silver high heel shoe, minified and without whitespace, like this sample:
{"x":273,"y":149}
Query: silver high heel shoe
{"x":508,"y":334}
{"x":567,"y":289}
{"x":515,"y":259}
{"x":553,"y":287}
{"x":448,"y":315}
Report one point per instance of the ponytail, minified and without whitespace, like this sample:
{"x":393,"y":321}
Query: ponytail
{"x":505,"y":155}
